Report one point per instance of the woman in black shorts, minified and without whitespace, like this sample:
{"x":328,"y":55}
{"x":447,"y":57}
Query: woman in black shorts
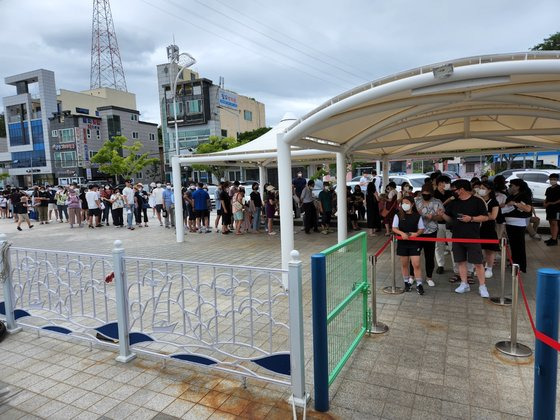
{"x":408,"y":223}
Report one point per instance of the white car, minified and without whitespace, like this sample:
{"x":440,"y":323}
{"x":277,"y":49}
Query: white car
{"x":536,"y":179}
{"x":415,"y":180}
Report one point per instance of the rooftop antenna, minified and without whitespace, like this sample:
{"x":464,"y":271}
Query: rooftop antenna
{"x":106,"y":64}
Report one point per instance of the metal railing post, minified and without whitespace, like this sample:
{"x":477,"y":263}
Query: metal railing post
{"x":320,"y":343}
{"x":297,"y":356}
{"x":121,"y":294}
{"x":512,"y":347}
{"x":502,"y":300}
{"x":11,"y":324}
{"x":546,"y":357}
{"x":375,"y":327}
{"x":393,"y":290}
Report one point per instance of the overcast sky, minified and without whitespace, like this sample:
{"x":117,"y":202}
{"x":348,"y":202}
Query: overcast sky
{"x":290,"y":55}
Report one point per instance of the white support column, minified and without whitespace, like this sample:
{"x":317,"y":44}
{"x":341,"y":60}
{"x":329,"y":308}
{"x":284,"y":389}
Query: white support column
{"x":378,"y":167}
{"x":385,"y":173}
{"x":178,"y":196}
{"x":342,"y":214}
{"x":286,"y":209}
{"x":262,"y":180}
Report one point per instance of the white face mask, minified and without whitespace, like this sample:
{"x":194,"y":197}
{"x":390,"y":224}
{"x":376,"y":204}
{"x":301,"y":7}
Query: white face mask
{"x":406,"y":206}
{"x":168,"y":187}
{"x":158,"y":185}
{"x":447,"y":187}
{"x":482,"y":192}
{"x":106,"y":187}
{"x":553,"y":182}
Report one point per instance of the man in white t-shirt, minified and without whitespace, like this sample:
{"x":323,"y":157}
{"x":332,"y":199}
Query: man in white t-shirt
{"x":94,"y":207}
{"x":157,"y":193}
{"x":364,"y":181}
{"x":128,"y":194}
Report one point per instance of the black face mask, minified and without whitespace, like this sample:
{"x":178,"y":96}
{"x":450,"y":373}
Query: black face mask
{"x":426,"y":197}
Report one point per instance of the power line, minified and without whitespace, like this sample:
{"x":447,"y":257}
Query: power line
{"x":231,"y":41}
{"x":360,"y":78}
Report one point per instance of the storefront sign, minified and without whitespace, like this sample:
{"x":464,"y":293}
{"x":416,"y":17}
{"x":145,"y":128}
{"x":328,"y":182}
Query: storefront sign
{"x":227,"y":99}
{"x":64,"y":146}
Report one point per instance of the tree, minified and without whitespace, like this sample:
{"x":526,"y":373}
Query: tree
{"x":248,"y":136}
{"x":552,"y":43}
{"x":112,"y":162}
{"x":2,"y":126}
{"x":214,"y":144}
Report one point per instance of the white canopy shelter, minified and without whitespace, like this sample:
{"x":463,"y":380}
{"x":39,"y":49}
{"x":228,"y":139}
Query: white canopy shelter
{"x":503,"y":103}
{"x":260,"y":152}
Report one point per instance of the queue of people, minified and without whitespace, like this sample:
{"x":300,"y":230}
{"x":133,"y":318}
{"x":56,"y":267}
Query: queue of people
{"x":469,"y":210}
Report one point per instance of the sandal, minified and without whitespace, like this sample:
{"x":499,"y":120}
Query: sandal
{"x":456,"y":278}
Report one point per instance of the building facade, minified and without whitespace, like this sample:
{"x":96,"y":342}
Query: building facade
{"x":52,"y":138}
{"x":202,"y":109}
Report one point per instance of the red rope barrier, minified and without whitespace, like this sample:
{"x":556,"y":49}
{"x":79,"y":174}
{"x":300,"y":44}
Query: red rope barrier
{"x":383,"y":248}
{"x":460,"y":240}
{"x":539,"y":335}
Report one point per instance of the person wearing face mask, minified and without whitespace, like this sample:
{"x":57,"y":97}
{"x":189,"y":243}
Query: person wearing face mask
{"x":443,"y":194}
{"x":61,"y":198}
{"x":359,"y":198}
{"x":552,"y":206}
{"x":407,"y":223}
{"x":488,"y":228}
{"x":157,"y":199}
{"x":169,"y":206}
{"x":140,"y":201}
{"x":299,"y":183}
{"x":389,"y":206}
{"x":256,"y":199}
{"x":467,"y":212}
{"x":517,"y":211}
{"x":42,"y":197}
{"x":105,"y":195}
{"x":500,"y":191}
{"x":406,"y":190}
{"x":428,"y":207}
{"x":372,"y":209}
{"x":326,"y":205}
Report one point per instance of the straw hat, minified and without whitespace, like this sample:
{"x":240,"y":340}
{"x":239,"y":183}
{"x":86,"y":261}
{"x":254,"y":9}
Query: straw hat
{"x":270,"y":188}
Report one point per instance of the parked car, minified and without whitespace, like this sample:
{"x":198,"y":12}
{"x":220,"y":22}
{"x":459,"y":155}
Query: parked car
{"x":415,"y":180}
{"x":211,"y":191}
{"x":536,"y":179}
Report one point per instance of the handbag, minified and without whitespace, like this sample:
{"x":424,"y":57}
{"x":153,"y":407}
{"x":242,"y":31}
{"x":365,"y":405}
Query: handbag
{"x":164,"y":213}
{"x":385,"y":212}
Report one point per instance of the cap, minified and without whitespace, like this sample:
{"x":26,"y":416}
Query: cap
{"x":270,"y":188}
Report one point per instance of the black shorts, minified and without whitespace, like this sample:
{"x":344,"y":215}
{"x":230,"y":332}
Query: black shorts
{"x":226,"y":219}
{"x":409,"y":248}
{"x":467,"y":252}
{"x":94,"y":212}
{"x":219,"y":212}
{"x":553,"y":212}
{"x":207,"y":213}
{"x":159,"y":208}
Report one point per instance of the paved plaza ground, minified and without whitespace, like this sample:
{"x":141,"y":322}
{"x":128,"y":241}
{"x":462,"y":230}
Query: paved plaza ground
{"x":436,"y":361}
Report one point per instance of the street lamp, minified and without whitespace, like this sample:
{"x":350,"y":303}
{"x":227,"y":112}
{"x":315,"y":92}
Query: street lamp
{"x":183,"y":61}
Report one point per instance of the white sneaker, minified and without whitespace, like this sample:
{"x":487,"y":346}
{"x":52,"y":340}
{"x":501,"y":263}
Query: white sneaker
{"x":430,"y":282}
{"x":483,"y":291}
{"x":463,"y":288}
{"x":488,"y":272}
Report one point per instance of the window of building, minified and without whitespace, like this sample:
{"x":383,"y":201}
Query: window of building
{"x":67,"y":135}
{"x":18,"y":134}
{"x":98,"y":134}
{"x":194,"y":107}
{"x":88,"y":133}
{"x":224,"y":133}
{"x":65,"y":159}
{"x":91,"y":154}
{"x":247,"y":115}
{"x":54,"y":133}
{"x":139,"y":175}
{"x":135,"y":134}
{"x":152,"y":137}
{"x":197,"y":90}
{"x":469,"y":167}
{"x":134,"y":117}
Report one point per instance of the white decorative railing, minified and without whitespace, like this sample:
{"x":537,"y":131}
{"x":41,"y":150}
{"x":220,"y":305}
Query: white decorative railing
{"x":232,"y":318}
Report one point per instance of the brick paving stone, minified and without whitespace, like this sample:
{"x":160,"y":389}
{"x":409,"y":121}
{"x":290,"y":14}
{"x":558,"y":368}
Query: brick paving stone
{"x":436,"y":360}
